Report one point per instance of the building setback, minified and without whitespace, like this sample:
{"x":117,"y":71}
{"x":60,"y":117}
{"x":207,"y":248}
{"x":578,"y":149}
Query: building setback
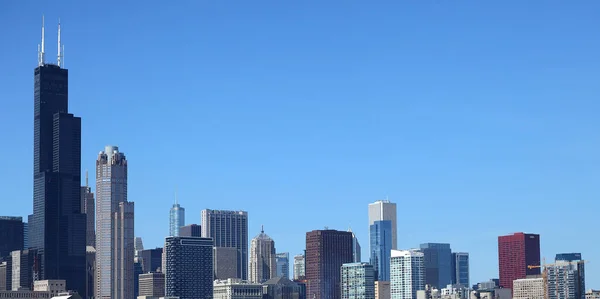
{"x":229,"y":229}
{"x":189,"y":273}
{"x":515,"y":253}
{"x":438,"y":264}
{"x":358,"y":281}
{"x":326,"y":252}
{"x":407,"y":274}
{"x":460,"y":269}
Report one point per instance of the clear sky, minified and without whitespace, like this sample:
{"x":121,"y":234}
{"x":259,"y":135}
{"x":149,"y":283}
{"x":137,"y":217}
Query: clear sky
{"x":478,"y":118}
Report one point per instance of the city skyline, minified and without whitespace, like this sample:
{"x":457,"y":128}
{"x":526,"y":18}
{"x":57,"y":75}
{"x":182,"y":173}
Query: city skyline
{"x":224,"y":188}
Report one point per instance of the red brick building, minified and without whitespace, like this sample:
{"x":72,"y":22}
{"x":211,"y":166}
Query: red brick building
{"x":515,"y":253}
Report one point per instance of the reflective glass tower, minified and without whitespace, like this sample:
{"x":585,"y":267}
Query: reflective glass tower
{"x":438,"y":264}
{"x":176,"y":218}
{"x":380,"y":233}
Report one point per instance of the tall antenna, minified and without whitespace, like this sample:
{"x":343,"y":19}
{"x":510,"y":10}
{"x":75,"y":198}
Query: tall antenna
{"x":86,"y":178}
{"x":41,"y":49}
{"x":59,"y":47}
{"x":175,"y":195}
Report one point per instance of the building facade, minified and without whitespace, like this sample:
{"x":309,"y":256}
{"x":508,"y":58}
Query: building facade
{"x":151,"y":259}
{"x":382,"y":290}
{"x":407,"y":273}
{"x":225,"y":262}
{"x":189,"y":273}
{"x":515,"y":253}
{"x":263,"y":265}
{"x":25,"y":269}
{"x":299,"y":267}
{"x":229,"y":229}
{"x":358,"y":281}
{"x":529,"y":288}
{"x":566,"y":277}
{"x":114,"y":227}
{"x":176,"y":218}
{"x":88,"y":208}
{"x":382,"y":210}
{"x":283,"y":264}
{"x":234,"y":288}
{"x":460,"y":269}
{"x":152,"y":284}
{"x":438,"y":264}
{"x":356,"y":254}
{"x":191,"y":230}
{"x":11,"y":235}
{"x":380,"y":234}
{"x":326,"y":252}
{"x":283,"y":288}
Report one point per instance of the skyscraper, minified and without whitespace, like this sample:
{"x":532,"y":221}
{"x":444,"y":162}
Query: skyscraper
{"x":114,"y":227}
{"x":380,"y":234}
{"x":566,"y":277}
{"x":11,"y":235}
{"x":460,"y":268}
{"x":152,"y":284}
{"x":176,"y":218}
{"x":57,"y":227}
{"x":529,"y":288}
{"x":229,"y":229}
{"x":88,"y":208}
{"x":358,"y":281}
{"x":438,"y":264}
{"x":326,"y":252}
{"x":355,"y":248}
{"x":299,"y":267}
{"x":283,"y":264}
{"x":384,"y":210}
{"x":151,"y":259}
{"x":407,"y":274}
{"x":189,"y":273}
{"x":263,"y":264}
{"x":515,"y":253}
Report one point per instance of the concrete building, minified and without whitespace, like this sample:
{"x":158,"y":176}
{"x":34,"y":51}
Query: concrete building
{"x":176,"y":218}
{"x":152,"y":284}
{"x":283,"y":288}
{"x":326,"y":252}
{"x":566,"y":277}
{"x":25,"y":269}
{"x":460,"y":269}
{"x":225,"y":262}
{"x":114,"y":227}
{"x":237,"y":289}
{"x":382,"y":210}
{"x":529,"y":288}
{"x":191,"y":230}
{"x":358,"y":281}
{"x":229,"y":229}
{"x":88,"y":207}
{"x":54,"y":287}
{"x":299,"y":267}
{"x":24,"y":294}
{"x":283,"y":264}
{"x":438,"y":264}
{"x":592,"y":294}
{"x":407,"y":273}
{"x":189,"y":273}
{"x":382,"y":290}
{"x":263,"y":265}
{"x":6,"y":275}
{"x":515,"y":253}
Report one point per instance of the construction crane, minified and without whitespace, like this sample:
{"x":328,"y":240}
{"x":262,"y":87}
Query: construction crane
{"x":545,"y":271}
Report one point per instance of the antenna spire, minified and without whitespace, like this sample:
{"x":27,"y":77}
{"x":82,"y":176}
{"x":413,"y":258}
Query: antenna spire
{"x":86,"y":178}
{"x":59,"y":47}
{"x":41,"y":49}
{"x":262,"y":228}
{"x":176,"y":196}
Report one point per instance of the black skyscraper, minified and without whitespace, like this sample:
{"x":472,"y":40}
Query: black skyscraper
{"x":11,"y":235}
{"x":57,"y":228}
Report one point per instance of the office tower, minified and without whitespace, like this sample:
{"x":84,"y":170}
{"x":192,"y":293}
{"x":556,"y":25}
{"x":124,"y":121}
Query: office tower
{"x":138,"y":246}
{"x":382,"y":290}
{"x":299,"y":267}
{"x":57,"y":178}
{"x":192,"y":230}
{"x":25,"y":235}
{"x":90,"y":280}
{"x":355,"y":248}
{"x":380,"y":234}
{"x":326,"y":252}
{"x":358,"y":281}
{"x":515,"y":253}
{"x":5,"y":275}
{"x":88,"y":208}
{"x":529,"y":288}
{"x":229,"y":229}
{"x":225,"y":263}
{"x":438,"y":264}
{"x":566,"y":277}
{"x":151,"y":259}
{"x":283,"y":264}
{"x":460,"y":269}
{"x":407,"y":273}
{"x":114,"y":227}
{"x":176,"y":218}
{"x":382,"y":210}
{"x":282,"y":288}
{"x":152,"y":284}
{"x":263,"y":264}
{"x":25,"y":269}
{"x":137,"y":271}
{"x":11,"y":235}
{"x":234,"y":288}
{"x":189,"y":267}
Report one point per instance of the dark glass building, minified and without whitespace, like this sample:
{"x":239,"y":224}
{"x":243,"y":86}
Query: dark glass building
{"x":57,"y":228}
{"x":438,"y":264}
{"x":326,"y":252}
{"x":380,"y":234}
{"x":515,"y":253}
{"x":11,"y":235}
{"x":189,"y":267}
{"x":137,"y":270}
{"x":460,"y":268}
{"x":151,"y":259}
{"x":191,"y":230}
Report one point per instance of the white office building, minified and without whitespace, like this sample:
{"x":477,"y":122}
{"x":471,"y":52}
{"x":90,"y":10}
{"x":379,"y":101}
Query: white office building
{"x":407,"y":274}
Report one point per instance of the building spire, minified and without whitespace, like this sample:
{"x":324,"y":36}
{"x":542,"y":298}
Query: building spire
{"x":60,"y":54}
{"x":41,"y":49}
{"x":262,"y":228}
{"x":176,"y":203}
{"x":86,"y":178}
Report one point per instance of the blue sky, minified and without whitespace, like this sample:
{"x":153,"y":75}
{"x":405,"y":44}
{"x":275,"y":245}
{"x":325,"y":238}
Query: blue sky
{"x":479,"y":118}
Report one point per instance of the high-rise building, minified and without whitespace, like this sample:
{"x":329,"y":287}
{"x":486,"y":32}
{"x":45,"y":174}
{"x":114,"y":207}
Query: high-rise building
{"x":407,"y":273}
{"x":326,"y":252}
{"x":229,"y":229}
{"x":225,"y":262}
{"x":189,"y":273}
{"x":529,"y":288}
{"x":460,"y":269}
{"x":114,"y":227}
{"x":384,"y":210}
{"x":25,"y":235}
{"x":11,"y":235}
{"x":380,"y":234}
{"x":152,"y":284}
{"x":88,"y":208}
{"x":566,"y":277}
{"x":356,"y":258}
{"x":438,"y":264}
{"x":151,"y":259}
{"x":25,"y":269}
{"x":138,"y":246}
{"x":382,"y":290}
{"x":237,"y":289}
{"x":282,"y":288}
{"x":90,"y":266}
{"x":358,"y":281}
{"x":176,"y":218}
{"x":515,"y":253}
{"x":6,"y":275}
{"x":57,"y":178}
{"x":191,"y":230}
{"x":299,"y":267}
{"x":263,"y":264}
{"x":283,"y":264}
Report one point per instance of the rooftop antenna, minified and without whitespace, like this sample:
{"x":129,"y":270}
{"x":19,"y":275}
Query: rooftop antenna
{"x":59,"y":47}
{"x":262,"y":228}
{"x":86,"y":178}
{"x":41,"y":49}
